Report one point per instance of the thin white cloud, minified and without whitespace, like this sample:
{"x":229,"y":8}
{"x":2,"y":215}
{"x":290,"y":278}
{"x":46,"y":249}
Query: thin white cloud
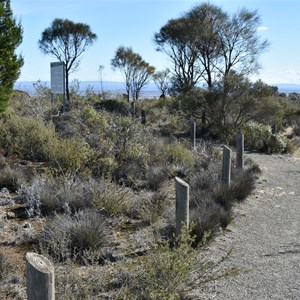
{"x":262,"y":28}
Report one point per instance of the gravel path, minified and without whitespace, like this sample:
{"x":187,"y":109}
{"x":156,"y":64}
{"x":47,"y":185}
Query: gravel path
{"x":265,"y":236}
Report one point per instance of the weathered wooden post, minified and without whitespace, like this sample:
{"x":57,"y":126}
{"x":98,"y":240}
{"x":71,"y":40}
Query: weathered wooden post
{"x":182,"y":205}
{"x":226,"y":170}
{"x":144,"y":117}
{"x":39,"y":277}
{"x":193,"y":132}
{"x":240,"y":150}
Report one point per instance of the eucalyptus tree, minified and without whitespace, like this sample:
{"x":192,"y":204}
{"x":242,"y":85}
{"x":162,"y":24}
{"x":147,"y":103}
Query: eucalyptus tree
{"x":10,"y":63}
{"x":204,"y":24}
{"x":207,"y":43}
{"x":162,"y":81}
{"x":241,"y":44}
{"x":173,"y":39}
{"x":136,"y":71}
{"x":66,"y":41}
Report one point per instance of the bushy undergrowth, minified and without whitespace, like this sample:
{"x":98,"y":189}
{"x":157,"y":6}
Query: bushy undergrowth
{"x":48,"y":195}
{"x":75,"y":237}
{"x":212,"y":201}
{"x":259,"y":137}
{"x":10,"y":178}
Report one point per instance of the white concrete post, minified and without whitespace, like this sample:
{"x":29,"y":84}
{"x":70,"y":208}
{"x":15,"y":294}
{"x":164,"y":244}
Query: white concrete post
{"x":226,"y":170}
{"x":182,"y":205}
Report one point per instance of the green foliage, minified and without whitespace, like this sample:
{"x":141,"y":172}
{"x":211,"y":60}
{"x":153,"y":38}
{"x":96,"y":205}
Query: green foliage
{"x":68,"y":155}
{"x":180,"y":155}
{"x":117,"y":106}
{"x":257,"y":135}
{"x":10,"y":63}
{"x":163,"y":274}
{"x":277,"y":143}
{"x":27,"y":137}
{"x":136,"y":71}
{"x":30,"y":139}
{"x":206,"y":42}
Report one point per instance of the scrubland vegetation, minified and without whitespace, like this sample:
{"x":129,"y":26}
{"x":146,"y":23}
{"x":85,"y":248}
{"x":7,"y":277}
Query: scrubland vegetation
{"x":91,"y":187}
{"x":101,"y":183}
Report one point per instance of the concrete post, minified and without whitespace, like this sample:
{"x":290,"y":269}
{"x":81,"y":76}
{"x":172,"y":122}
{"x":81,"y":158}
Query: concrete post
{"x":182,"y":205}
{"x":226,"y":170}
{"x":193,"y":132}
{"x":240,"y":150}
{"x":39,"y":277}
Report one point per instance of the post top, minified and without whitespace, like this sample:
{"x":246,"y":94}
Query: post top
{"x":181,"y":182}
{"x":39,"y":262}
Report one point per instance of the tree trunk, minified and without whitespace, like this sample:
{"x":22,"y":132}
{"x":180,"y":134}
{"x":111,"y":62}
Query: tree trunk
{"x":67,"y":90}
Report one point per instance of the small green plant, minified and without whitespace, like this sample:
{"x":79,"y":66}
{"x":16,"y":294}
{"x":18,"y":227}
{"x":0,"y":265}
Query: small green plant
{"x":163,"y":274}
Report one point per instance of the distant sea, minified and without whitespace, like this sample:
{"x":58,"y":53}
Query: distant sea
{"x":114,"y":88}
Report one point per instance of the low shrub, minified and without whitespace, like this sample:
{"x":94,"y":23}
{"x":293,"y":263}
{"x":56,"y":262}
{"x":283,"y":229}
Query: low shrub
{"x":68,"y":155}
{"x":277,"y":143}
{"x":211,"y":201}
{"x":5,"y":267}
{"x":179,"y":155}
{"x":10,"y":178}
{"x":48,"y":195}
{"x":110,"y":198}
{"x":27,"y":137}
{"x":117,"y":106}
{"x":157,"y":174}
{"x":163,"y":274}
{"x":242,"y":184}
{"x":150,"y":209}
{"x":257,"y":136}
{"x":69,"y":237}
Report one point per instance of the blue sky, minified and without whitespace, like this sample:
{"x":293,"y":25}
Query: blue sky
{"x":133,"y":23}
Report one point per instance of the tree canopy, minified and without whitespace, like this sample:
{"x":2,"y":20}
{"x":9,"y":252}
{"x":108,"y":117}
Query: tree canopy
{"x":10,"y":63}
{"x":206,"y":43}
{"x":66,"y":41}
{"x":135,"y":70}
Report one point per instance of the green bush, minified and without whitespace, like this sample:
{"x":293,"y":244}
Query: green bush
{"x":257,"y":136}
{"x":118,"y":106}
{"x":277,"y":143}
{"x":179,"y":155}
{"x":163,"y":274}
{"x":68,"y":155}
{"x":27,"y":137}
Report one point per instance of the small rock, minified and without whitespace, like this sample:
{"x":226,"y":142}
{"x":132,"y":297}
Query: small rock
{"x":10,"y":215}
{"x":27,"y":225}
{"x":4,"y":191}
